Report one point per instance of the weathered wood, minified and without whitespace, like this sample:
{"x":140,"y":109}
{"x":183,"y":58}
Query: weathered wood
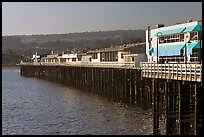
{"x":182,"y":101}
{"x":155,"y":105}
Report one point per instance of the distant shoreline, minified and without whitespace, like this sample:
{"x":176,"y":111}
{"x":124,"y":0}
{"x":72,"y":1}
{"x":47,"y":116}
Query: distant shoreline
{"x":10,"y":67}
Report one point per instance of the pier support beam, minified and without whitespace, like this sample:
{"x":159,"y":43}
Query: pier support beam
{"x":155,"y":107}
{"x":182,"y":101}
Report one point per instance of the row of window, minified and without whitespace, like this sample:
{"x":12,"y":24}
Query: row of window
{"x":179,"y":37}
{"x":49,"y":60}
{"x":61,"y":60}
{"x":109,"y":56}
{"x":94,"y":55}
{"x":171,"y":38}
{"x":195,"y":57}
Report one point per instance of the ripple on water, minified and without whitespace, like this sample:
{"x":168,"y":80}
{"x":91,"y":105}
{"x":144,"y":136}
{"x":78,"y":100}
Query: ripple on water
{"x":34,"y":106}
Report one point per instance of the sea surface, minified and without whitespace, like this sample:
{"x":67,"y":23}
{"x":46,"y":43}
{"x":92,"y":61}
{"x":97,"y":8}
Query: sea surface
{"x":38,"y":107}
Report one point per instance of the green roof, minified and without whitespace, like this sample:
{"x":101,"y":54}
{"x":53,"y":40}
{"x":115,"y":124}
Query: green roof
{"x":151,"y":49}
{"x":193,"y":28}
{"x":171,"y":31}
{"x":179,"y":30}
{"x":191,"y":46}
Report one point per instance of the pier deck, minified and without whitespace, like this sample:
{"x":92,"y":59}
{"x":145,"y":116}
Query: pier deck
{"x":172,"y":92}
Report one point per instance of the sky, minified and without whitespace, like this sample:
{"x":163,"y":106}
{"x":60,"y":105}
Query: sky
{"x":26,"y":18}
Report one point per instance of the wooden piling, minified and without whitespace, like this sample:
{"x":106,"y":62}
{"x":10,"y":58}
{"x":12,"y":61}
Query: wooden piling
{"x":181,"y":101}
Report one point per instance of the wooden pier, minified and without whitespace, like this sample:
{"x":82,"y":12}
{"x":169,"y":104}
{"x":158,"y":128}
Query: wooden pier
{"x":182,"y":87}
{"x":175,"y":101}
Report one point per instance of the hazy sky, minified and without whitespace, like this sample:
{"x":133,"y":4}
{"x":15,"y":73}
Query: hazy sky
{"x":67,"y":17}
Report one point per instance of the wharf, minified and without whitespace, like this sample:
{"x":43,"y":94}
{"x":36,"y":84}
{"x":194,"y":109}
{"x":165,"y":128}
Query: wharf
{"x":173,"y":92}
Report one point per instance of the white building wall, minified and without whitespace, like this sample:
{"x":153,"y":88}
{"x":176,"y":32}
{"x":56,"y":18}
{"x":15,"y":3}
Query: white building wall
{"x":35,"y":57}
{"x":153,"y":32}
{"x":52,"y":56}
{"x":85,"y":59}
{"x":147,"y":44}
{"x":99,"y":56}
{"x":65,"y":55}
{"x":96,"y":60}
{"x":69,"y":56}
{"x":120,"y":60}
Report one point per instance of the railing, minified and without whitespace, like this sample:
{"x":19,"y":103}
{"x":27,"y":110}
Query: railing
{"x":186,"y":72}
{"x":87,"y":64}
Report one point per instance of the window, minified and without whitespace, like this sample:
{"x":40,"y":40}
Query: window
{"x":133,"y":58}
{"x":122,"y":56}
{"x":62,"y":60}
{"x":115,"y":56}
{"x":193,"y":36}
{"x":102,"y":57}
{"x":181,"y":37}
{"x":94,"y":56}
{"x":73,"y":59}
{"x":171,"y":38}
{"x":79,"y":58}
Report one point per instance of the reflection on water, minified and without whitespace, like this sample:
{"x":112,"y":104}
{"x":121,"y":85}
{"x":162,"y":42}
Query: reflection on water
{"x":34,"y":106}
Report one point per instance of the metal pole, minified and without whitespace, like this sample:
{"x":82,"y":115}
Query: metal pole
{"x":200,"y":49}
{"x":186,"y":41}
{"x":158,"y":47}
{"x":157,"y":51}
{"x":185,"y":53}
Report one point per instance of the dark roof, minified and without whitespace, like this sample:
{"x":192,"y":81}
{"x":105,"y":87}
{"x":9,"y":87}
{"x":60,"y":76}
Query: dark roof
{"x":140,"y":47}
{"x":137,"y":49}
{"x":44,"y":55}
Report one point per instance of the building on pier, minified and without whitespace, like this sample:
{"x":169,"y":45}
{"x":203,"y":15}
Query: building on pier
{"x":178,"y":43}
{"x":127,"y":54}
{"x":61,"y":58}
{"x":36,"y":57}
{"x":51,"y":58}
{"x":175,"y":57}
{"x":69,"y":58}
{"x":174,"y":52}
{"x":172,"y":90}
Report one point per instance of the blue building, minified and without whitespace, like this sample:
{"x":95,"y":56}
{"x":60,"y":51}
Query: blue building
{"x":178,"y":43}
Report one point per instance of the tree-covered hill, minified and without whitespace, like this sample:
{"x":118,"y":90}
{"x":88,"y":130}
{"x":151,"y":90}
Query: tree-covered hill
{"x":20,"y":47}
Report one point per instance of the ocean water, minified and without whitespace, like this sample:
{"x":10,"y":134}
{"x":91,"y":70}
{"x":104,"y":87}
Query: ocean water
{"x":32,"y":106}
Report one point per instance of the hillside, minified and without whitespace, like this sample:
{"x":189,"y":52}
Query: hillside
{"x":21,"y":47}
